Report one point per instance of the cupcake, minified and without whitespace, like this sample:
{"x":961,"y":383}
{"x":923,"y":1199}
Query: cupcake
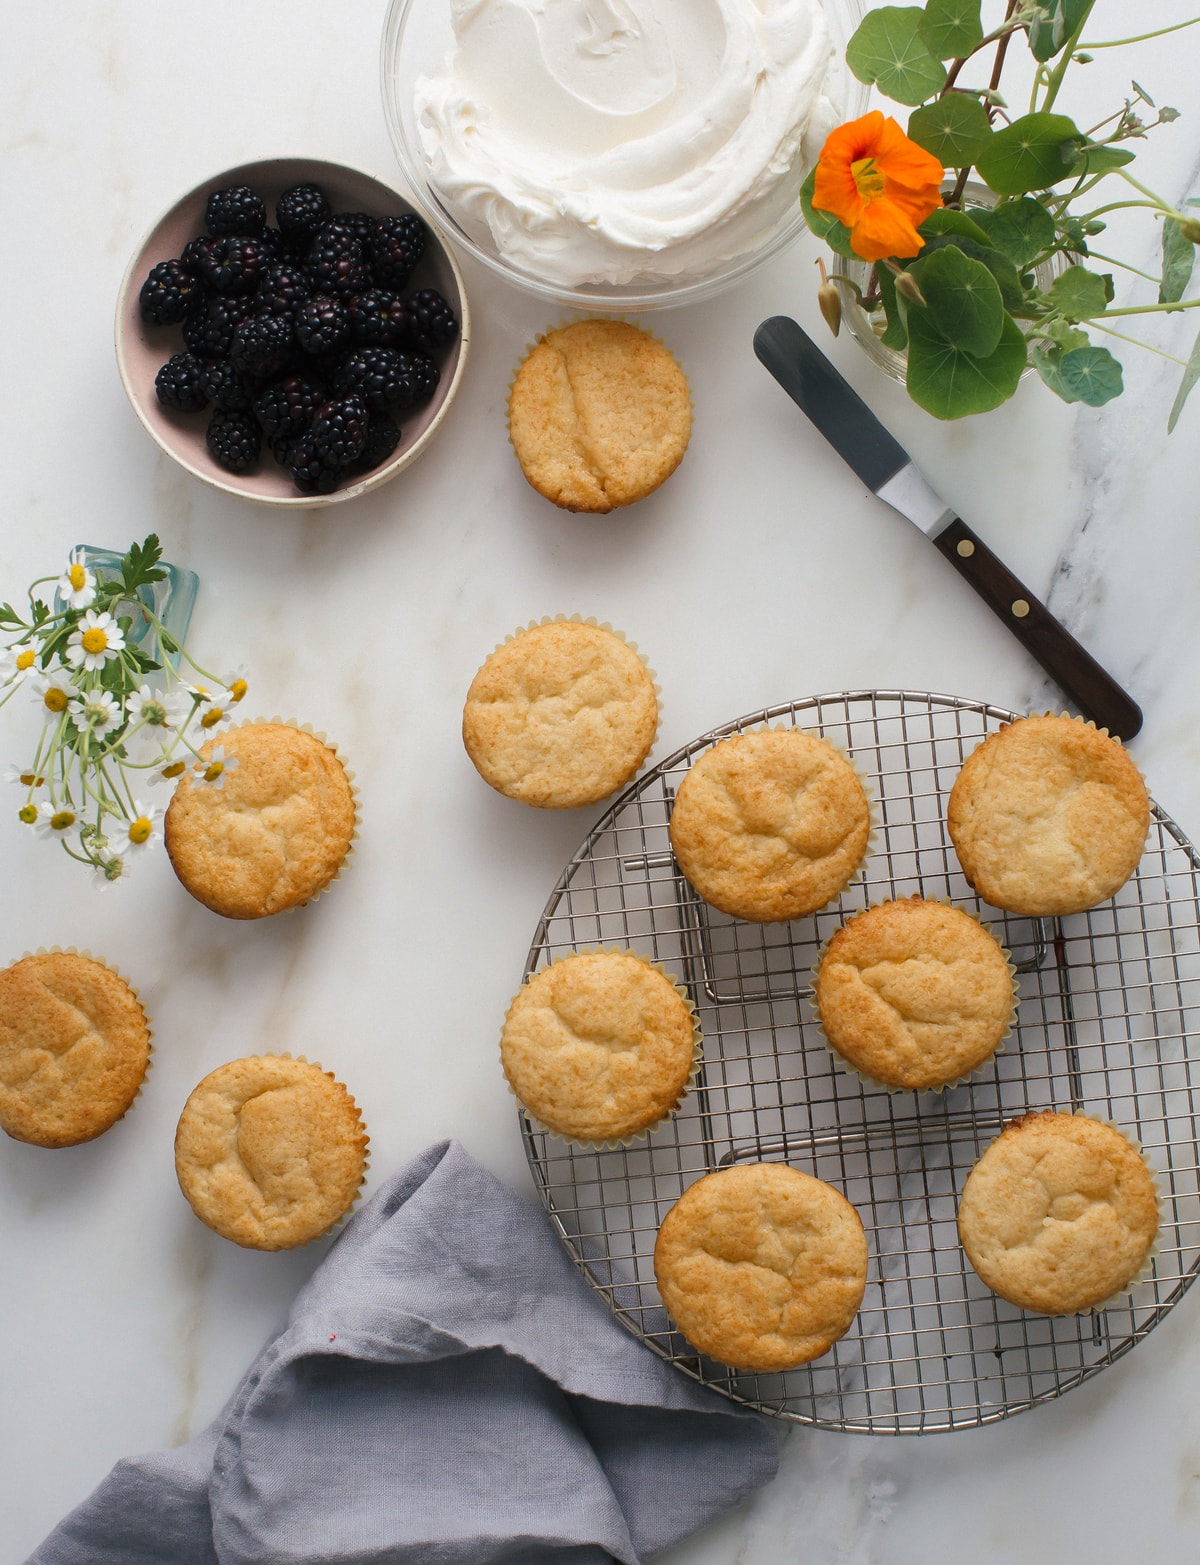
{"x":599,"y":1046}
{"x":270,"y":1151}
{"x":265,"y":824}
{"x":561,"y":715}
{"x":74,"y":1048}
{"x":914,"y":994}
{"x":1048,"y":816}
{"x":761,"y":1266}
{"x":1059,"y":1214}
{"x":599,"y":415}
{"x":770,"y":825}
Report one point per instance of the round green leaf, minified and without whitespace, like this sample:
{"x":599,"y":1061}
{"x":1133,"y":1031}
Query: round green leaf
{"x":1032,"y":153}
{"x":1048,"y":363}
{"x":1179,"y":256}
{"x":964,"y":301}
{"x":951,"y":28}
{"x":1079,"y":294}
{"x":954,"y":128}
{"x":1092,"y":375}
{"x":949,"y":220}
{"x":1019,"y":229}
{"x":1047,"y":37}
{"x":823,"y":225}
{"x":887,"y":50}
{"x":951,"y":384}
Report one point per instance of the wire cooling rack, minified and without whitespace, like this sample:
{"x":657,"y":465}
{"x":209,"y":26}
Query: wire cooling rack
{"x":1109,"y":1002}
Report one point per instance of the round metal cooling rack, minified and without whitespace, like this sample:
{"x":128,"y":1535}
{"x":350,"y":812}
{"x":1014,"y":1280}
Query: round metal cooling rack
{"x":1109,"y":1002}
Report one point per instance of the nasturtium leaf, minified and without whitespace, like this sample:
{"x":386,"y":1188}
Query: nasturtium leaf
{"x":1001,"y":268}
{"x":964,"y":301}
{"x":1032,"y":153}
{"x":1079,"y":294}
{"x":1019,"y":229}
{"x":823,"y":225}
{"x":1190,"y":376}
{"x":896,"y":335}
{"x":951,"y":384}
{"x":949,"y":220}
{"x":1179,"y":256}
{"x":954,"y":128}
{"x":950,"y":28}
{"x":1048,"y":363}
{"x":1047,"y":38}
{"x":1098,"y":159}
{"x":887,"y":50}
{"x":1092,"y":374}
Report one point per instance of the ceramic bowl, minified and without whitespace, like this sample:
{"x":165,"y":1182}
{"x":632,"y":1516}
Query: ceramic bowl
{"x":142,"y":349}
{"x":418,"y":36}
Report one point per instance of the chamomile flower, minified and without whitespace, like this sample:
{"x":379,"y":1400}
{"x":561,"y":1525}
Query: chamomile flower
{"x":55,"y":691}
{"x":19,"y":663}
{"x":76,"y":586}
{"x":134,"y":834}
{"x":167,"y":774}
{"x":54,"y":820}
{"x":213,"y":716}
{"x":95,"y":712}
{"x":148,"y":706}
{"x":110,"y":868}
{"x":214,"y":769}
{"x":95,"y":640}
{"x":26,"y":778}
{"x":236,"y":686}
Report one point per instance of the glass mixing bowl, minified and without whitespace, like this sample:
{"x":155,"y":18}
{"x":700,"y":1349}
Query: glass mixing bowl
{"x":417,"y":37}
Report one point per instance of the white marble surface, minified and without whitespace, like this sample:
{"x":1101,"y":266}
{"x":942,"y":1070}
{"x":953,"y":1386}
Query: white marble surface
{"x":761,"y":571}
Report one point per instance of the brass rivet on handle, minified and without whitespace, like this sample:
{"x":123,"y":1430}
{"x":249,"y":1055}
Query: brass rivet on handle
{"x":1020,"y":608}
{"x":966,"y":548}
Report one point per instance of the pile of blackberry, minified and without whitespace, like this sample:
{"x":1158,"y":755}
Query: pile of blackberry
{"x":299,"y":339}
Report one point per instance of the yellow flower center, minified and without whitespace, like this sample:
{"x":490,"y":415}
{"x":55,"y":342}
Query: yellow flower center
{"x":77,"y":576}
{"x":238,"y":689}
{"x":56,"y":699}
{"x":61,"y":819}
{"x":31,"y":780}
{"x":212,"y":718}
{"x":94,"y":639}
{"x":28,"y":813}
{"x":25,"y":659}
{"x":868,"y":179}
{"x":140,"y":829}
{"x":213,"y":771}
{"x":176,"y":769}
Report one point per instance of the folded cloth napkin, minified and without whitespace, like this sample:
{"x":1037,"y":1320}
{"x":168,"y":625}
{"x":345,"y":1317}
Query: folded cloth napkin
{"x":447,"y":1390}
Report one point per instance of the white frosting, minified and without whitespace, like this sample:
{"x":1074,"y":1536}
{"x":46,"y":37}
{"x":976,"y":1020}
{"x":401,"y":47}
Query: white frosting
{"x":625,"y":140}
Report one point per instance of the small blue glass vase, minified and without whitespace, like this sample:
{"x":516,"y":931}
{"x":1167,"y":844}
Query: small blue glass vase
{"x":170,"y":600}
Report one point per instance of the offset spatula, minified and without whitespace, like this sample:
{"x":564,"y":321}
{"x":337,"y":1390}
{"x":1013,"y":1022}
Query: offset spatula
{"x":884,"y":466}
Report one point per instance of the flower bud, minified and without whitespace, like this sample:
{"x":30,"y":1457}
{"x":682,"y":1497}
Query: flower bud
{"x":906,"y":284}
{"x":829,"y":301}
{"x":1095,"y":226}
{"x":1190,"y":229}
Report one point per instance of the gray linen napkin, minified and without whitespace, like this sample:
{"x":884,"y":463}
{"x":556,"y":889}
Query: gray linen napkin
{"x":447,"y":1390}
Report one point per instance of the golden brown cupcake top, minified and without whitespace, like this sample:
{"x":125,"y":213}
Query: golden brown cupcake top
{"x":270,"y":1151}
{"x":761,"y":1266}
{"x":599,"y":1046}
{"x":1048,"y":816}
{"x":914,"y":994}
{"x":770,"y":825}
{"x":1059,"y":1214}
{"x":561,"y":715}
{"x":599,"y":415}
{"x":271,"y":832}
{"x":74,"y":1048}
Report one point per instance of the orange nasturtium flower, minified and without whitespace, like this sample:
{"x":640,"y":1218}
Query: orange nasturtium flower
{"x":879,"y":184}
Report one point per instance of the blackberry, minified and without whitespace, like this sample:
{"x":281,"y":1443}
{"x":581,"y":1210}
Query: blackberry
{"x":283,"y":288}
{"x":378,"y":319}
{"x":276,"y":245}
{"x":383,"y":436}
{"x":300,"y":211}
{"x":234,"y":440}
{"x":389,"y":381}
{"x":195,"y":253}
{"x":261,"y":345}
{"x":285,"y":407}
{"x":234,"y":263}
{"x":322,"y":325}
{"x":179,"y":384}
{"x":335,"y":262}
{"x":394,"y":248}
{"x":168,"y":293}
{"x":235,"y":210}
{"x":226,"y":387}
{"x":360,"y":224}
{"x":432,"y":323}
{"x":311,"y":472}
{"x":209,"y":332}
{"x":339,"y":430}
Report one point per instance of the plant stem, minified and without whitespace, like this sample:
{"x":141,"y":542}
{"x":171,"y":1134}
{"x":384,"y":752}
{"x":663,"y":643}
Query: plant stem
{"x":1146,"y":309}
{"x":1055,"y":79}
{"x":1138,"y":343}
{"x":1119,"y":43}
{"x":1096,"y":255}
